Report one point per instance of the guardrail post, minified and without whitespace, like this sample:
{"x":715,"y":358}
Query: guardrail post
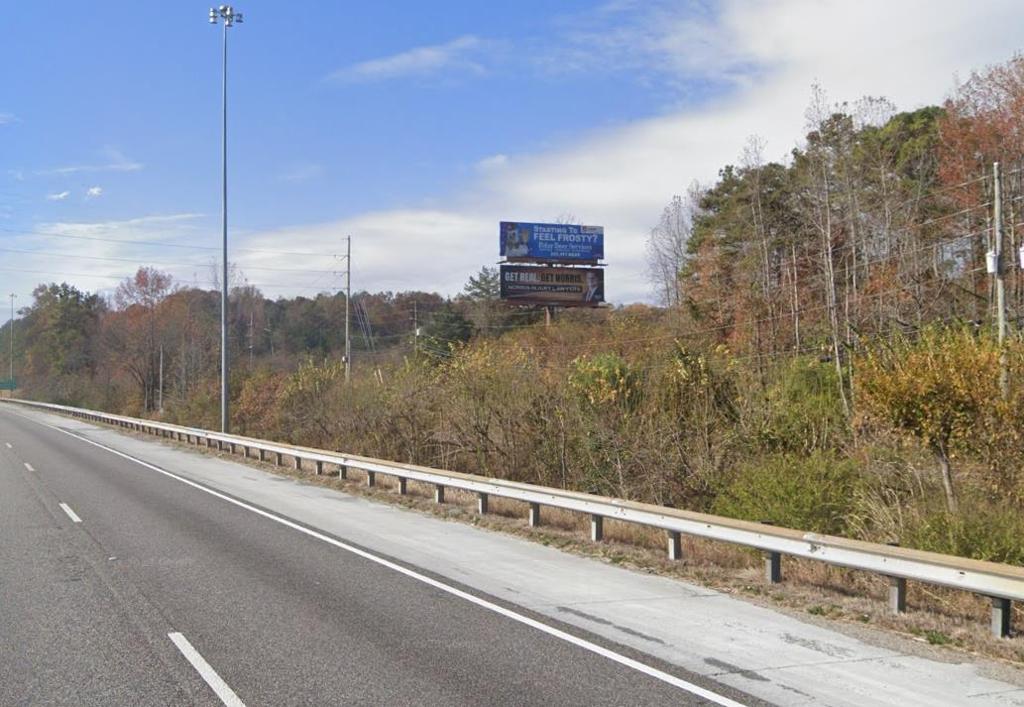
{"x":298,"y":463}
{"x":596,"y":528}
{"x":481,"y":503}
{"x":403,"y":485}
{"x":675,"y":545}
{"x":534,"y":515}
{"x":1001,"y":609}
{"x":773,"y":567}
{"x":371,"y":478}
{"x":319,"y":468}
{"x":279,"y":459}
{"x":438,"y":493}
{"x":231,"y":446}
{"x":342,"y":472}
{"x":263,"y":455}
{"x":897,"y":595}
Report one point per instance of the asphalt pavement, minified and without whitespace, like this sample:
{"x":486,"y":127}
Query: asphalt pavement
{"x":122,"y":585}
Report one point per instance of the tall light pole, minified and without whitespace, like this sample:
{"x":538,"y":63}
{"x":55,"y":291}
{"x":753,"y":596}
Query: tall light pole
{"x":228,"y":18}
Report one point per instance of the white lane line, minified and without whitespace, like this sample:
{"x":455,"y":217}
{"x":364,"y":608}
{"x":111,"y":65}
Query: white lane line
{"x":430,"y":581}
{"x":225,"y":693}
{"x":8,"y":445}
{"x":29,"y":466}
{"x":71,"y":514}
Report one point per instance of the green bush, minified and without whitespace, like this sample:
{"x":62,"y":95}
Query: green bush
{"x":813,"y":493}
{"x":805,"y":412}
{"x":981,"y":531}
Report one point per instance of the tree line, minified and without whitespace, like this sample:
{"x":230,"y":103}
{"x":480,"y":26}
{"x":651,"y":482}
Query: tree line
{"x":823,"y":355}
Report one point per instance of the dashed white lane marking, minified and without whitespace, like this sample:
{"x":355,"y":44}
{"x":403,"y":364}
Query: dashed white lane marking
{"x":71,"y":514}
{"x":586,"y":645}
{"x":225,"y":693}
{"x":29,"y":466}
{"x":8,"y":445}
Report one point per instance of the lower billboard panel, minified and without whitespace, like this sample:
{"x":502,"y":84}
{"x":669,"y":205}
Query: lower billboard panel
{"x":552,"y":286}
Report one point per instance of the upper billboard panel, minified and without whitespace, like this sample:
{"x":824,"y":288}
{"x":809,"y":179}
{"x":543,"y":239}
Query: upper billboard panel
{"x":551,"y":242}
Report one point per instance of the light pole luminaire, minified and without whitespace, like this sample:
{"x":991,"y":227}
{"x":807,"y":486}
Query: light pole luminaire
{"x":228,"y":17}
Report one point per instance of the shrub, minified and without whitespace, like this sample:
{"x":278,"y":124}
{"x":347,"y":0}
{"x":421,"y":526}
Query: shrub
{"x":982,"y":530}
{"x":813,"y":493}
{"x":805,"y":412}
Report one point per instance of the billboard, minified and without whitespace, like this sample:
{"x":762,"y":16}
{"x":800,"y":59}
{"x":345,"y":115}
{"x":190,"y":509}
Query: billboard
{"x":551,"y":242}
{"x":554,"y":286}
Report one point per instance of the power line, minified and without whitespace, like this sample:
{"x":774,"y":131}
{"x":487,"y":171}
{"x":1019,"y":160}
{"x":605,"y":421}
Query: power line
{"x":161,"y":244}
{"x":147,"y":263}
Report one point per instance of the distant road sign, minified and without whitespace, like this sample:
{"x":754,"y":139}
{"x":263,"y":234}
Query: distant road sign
{"x":551,"y":242}
{"x":552,"y":286}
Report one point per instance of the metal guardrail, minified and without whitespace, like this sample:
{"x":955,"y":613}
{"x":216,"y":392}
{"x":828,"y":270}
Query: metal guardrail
{"x":1002,"y":583}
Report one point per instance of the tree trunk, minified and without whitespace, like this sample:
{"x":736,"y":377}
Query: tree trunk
{"x":947,"y":479}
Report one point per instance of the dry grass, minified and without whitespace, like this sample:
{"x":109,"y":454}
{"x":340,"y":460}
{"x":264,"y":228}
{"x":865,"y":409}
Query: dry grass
{"x":936,"y":616}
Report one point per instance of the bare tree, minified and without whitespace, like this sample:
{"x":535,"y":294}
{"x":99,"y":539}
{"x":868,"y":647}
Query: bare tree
{"x":666,"y":246}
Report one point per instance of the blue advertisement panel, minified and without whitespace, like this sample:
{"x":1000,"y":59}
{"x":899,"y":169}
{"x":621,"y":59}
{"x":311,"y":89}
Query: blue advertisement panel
{"x":551,"y":242}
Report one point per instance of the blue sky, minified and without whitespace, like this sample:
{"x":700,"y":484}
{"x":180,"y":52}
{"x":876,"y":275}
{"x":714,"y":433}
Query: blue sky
{"x":416,"y":127}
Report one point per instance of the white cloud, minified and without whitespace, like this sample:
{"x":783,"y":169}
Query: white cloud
{"x":141,"y":229}
{"x":493,"y":163}
{"x":303,"y":172}
{"x":97,"y":255}
{"x":93,"y":192}
{"x":59,"y":196}
{"x":621,"y":178}
{"x":116,"y":161}
{"x":456,"y":55}
{"x":8,"y":118}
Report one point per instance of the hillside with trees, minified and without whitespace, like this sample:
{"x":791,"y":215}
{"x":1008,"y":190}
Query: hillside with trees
{"x":824,"y":354}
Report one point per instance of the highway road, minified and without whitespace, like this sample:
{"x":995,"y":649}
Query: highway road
{"x":122,"y":582}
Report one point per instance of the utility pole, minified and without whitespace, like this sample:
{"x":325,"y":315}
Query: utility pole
{"x":252,"y":319}
{"x":997,"y":225}
{"x":160,"y":393}
{"x":348,"y":308}
{"x":227,"y":14}
{"x":415,"y":329}
{"x":12,"y":342}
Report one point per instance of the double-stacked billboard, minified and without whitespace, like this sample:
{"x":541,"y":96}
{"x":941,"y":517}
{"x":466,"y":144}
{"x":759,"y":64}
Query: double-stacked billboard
{"x":544,"y":254}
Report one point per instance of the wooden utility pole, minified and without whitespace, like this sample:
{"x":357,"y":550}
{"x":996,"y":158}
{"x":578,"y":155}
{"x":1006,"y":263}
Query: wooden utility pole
{"x":997,"y":247}
{"x":348,"y":308}
{"x":415,"y":329}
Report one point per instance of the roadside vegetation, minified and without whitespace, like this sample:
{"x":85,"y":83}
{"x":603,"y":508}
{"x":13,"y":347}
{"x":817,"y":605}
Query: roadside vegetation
{"x":824,"y":355}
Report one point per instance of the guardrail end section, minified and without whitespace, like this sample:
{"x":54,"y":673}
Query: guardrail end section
{"x":1001,"y":610}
